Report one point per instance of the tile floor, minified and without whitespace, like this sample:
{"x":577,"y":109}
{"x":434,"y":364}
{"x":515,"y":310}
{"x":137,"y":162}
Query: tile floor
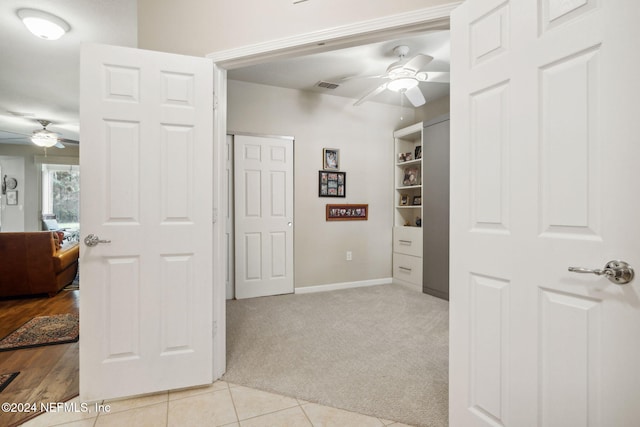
{"x":221,"y":404}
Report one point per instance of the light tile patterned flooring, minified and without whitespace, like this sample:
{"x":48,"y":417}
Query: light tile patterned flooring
{"x":221,"y":404}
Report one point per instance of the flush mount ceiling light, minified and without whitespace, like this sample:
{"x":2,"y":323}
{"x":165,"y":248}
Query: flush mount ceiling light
{"x":43,"y":24}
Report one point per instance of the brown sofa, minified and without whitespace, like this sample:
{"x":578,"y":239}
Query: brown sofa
{"x":34,"y":263}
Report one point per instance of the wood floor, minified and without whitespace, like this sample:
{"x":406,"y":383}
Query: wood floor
{"x":47,"y":374}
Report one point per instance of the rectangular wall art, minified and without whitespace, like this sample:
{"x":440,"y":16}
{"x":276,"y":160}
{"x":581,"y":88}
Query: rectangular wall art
{"x":347,"y":212}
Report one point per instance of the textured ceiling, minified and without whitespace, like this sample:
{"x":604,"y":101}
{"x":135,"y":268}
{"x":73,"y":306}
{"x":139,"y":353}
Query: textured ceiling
{"x":370,"y":60}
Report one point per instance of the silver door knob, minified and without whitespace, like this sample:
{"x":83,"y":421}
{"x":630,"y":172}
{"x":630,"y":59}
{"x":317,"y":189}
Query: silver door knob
{"x":618,"y":272}
{"x":92,"y":240}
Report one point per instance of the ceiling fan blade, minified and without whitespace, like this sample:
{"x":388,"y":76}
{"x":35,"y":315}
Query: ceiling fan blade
{"x":393,"y":66}
{"x":418,"y":62}
{"x":438,"y":77}
{"x":371,"y":94}
{"x":415,"y":96}
{"x":59,"y":145}
{"x":69,"y":141}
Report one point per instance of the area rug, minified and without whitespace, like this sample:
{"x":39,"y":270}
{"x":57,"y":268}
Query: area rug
{"x":5,"y":379}
{"x":380,"y":351}
{"x":43,"y":330}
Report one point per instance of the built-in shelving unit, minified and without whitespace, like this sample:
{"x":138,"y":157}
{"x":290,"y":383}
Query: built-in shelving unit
{"x":407,"y":231}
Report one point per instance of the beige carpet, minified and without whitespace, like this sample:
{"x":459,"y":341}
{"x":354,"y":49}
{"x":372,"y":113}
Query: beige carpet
{"x":380,"y":350}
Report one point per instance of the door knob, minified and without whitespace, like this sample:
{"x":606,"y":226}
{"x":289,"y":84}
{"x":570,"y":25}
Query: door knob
{"x":92,"y":240}
{"x":618,"y":272}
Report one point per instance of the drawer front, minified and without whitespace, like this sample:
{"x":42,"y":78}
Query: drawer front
{"x":407,"y":240}
{"x":407,"y":268}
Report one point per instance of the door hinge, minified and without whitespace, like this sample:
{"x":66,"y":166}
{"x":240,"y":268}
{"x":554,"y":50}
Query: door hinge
{"x":215,"y":102}
{"x":215,"y":215}
{"x":214,"y":329}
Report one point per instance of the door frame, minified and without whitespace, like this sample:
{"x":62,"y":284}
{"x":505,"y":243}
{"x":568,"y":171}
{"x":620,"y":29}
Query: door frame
{"x":379,"y":29}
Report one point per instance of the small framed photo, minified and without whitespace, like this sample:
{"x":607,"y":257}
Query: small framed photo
{"x":347,"y":212}
{"x":12,"y":197}
{"x":411,"y":176}
{"x":331,"y":159}
{"x":332,"y":184}
{"x":404,"y":200}
{"x":418,"y":152}
{"x":417,"y":200}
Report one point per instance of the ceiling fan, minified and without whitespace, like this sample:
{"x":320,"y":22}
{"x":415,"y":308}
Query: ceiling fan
{"x":46,"y":138}
{"x":404,"y":76}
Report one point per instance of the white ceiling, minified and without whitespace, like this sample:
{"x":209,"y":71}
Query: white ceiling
{"x":39,"y":79}
{"x":370,"y":60}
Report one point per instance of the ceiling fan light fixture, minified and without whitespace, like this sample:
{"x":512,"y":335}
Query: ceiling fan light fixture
{"x":44,"y":138}
{"x":42,"y":24}
{"x":402,"y":84}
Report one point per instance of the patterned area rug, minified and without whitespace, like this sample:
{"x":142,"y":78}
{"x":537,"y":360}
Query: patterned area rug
{"x":43,"y":330}
{"x":5,"y":379}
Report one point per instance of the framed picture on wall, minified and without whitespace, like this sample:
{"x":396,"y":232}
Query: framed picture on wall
{"x":12,"y":197}
{"x":332,"y":184}
{"x":347,"y":212}
{"x":331,"y":159}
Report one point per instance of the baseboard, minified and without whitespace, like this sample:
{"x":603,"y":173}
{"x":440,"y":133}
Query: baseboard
{"x":343,"y":285}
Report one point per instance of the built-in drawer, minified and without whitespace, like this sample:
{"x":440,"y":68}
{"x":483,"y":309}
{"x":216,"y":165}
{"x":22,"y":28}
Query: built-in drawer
{"x":407,"y":240}
{"x":407,"y":268}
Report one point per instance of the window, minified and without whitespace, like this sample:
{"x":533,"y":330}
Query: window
{"x":61,"y":193}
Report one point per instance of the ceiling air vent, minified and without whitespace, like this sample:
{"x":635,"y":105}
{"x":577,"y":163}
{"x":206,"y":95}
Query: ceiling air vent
{"x":327,"y":85}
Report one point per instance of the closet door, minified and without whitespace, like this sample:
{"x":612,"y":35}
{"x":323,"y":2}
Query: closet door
{"x":263,"y":174}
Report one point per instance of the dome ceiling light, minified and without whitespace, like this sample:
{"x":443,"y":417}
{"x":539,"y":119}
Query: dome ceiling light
{"x":43,"y":137}
{"x":42,"y":24}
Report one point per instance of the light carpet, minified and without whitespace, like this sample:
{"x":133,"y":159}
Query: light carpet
{"x":380,"y":350}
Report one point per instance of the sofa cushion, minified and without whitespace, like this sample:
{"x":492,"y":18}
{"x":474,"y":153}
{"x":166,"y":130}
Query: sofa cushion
{"x":65,"y":257}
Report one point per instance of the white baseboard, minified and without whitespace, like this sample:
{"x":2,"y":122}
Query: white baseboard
{"x":343,"y":285}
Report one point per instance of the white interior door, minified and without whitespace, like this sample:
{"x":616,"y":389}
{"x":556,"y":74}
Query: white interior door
{"x":544,"y":177}
{"x":263,"y":175}
{"x":146,"y":178}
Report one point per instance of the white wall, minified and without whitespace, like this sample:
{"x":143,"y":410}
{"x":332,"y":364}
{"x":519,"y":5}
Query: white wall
{"x":19,"y":161}
{"x":199,"y":27}
{"x":364,"y":136}
{"x":433,"y":109}
{"x":13,"y":215}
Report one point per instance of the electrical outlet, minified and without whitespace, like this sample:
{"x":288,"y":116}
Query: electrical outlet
{"x":349,"y":255}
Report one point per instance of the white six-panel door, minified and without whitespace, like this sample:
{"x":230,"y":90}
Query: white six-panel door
{"x":263,"y":174}
{"x":545,"y":145}
{"x":146,"y":179}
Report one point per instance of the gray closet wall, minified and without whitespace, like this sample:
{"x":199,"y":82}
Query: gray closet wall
{"x":435,"y":205}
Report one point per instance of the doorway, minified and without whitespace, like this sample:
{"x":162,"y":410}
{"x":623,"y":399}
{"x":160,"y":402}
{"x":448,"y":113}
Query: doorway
{"x":221,"y":123}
